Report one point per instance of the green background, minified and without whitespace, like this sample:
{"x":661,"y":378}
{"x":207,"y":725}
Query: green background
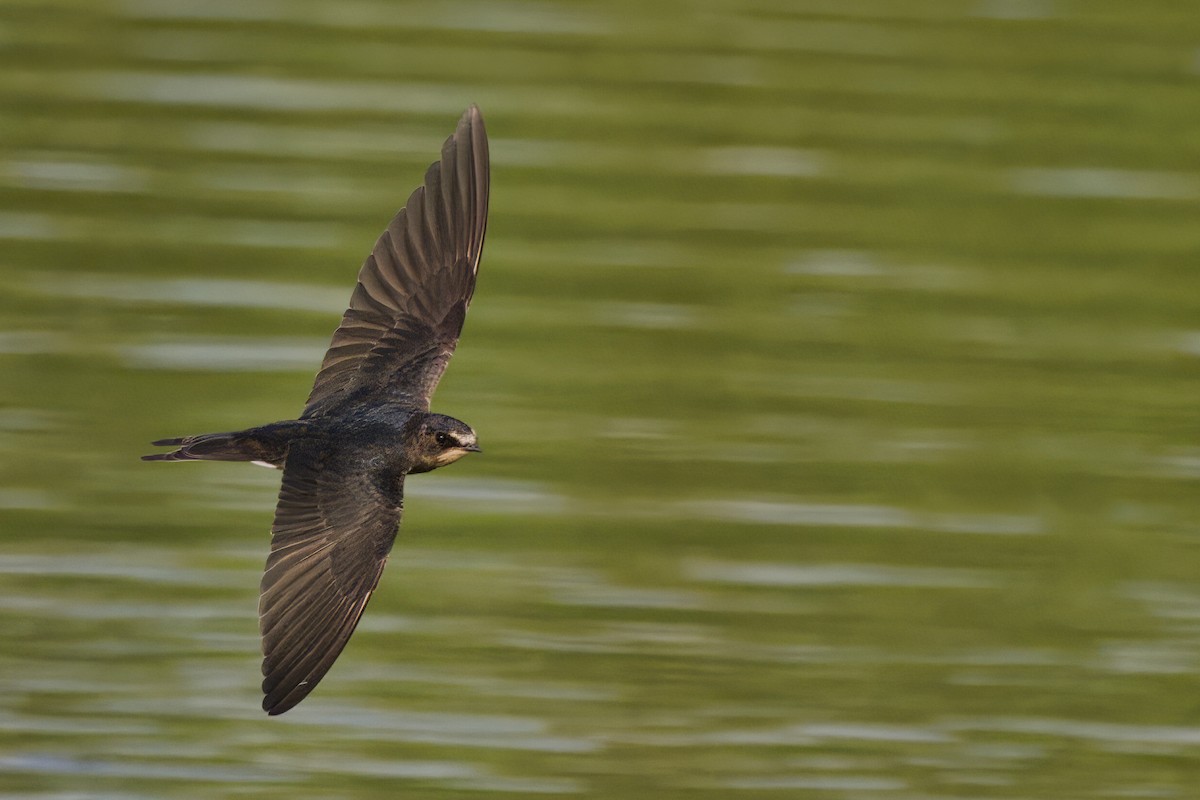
{"x":835,"y":363}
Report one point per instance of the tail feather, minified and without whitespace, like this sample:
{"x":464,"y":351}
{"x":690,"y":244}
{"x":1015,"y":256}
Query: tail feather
{"x":205,"y":447}
{"x":266,"y":444}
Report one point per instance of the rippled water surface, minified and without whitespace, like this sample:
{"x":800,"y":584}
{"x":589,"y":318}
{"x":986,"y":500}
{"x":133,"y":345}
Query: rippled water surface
{"x":836,"y":366}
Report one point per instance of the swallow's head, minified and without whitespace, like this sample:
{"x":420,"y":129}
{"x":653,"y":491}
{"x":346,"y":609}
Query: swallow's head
{"x":441,"y":440}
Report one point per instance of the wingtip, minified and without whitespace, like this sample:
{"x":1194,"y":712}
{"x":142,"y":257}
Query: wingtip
{"x":276,"y":702}
{"x":470,"y":131}
{"x":274,"y":710}
{"x":472,"y":118}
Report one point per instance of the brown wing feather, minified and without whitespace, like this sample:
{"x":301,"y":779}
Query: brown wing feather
{"x":334,"y":526}
{"x":407,"y":311}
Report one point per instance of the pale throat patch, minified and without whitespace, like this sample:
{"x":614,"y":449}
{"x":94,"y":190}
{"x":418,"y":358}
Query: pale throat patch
{"x":450,"y":456}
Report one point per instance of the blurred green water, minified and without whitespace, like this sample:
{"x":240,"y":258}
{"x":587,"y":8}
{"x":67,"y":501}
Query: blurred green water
{"x":835,"y":365}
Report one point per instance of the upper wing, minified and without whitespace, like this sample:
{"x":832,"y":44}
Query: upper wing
{"x":333,"y":530}
{"x":413,"y":290}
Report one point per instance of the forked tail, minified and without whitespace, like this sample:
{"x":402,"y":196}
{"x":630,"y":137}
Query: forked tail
{"x":204,"y":447}
{"x":267,"y":444}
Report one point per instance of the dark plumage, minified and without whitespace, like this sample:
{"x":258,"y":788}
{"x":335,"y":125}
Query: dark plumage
{"x":366,"y":423}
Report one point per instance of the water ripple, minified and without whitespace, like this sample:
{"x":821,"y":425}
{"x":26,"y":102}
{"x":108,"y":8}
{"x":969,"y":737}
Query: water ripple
{"x":74,"y":175}
{"x":501,"y":16}
{"x":492,"y":496}
{"x":127,"y":566}
{"x":469,"y":730}
{"x":222,"y":292}
{"x":813,"y":575}
{"x":259,"y":92}
{"x":227,"y":354}
{"x":1105,"y":183}
{"x":1113,"y":733}
{"x":779,"y":162}
{"x":28,"y":499}
{"x":54,"y":764}
{"x":831,"y":515}
{"x":815,"y":783}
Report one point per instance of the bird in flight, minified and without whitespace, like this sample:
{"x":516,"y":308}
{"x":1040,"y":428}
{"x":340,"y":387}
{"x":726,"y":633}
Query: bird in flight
{"x":366,"y":424}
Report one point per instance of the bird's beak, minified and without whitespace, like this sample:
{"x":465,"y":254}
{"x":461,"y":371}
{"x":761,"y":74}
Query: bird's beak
{"x":473,"y":448}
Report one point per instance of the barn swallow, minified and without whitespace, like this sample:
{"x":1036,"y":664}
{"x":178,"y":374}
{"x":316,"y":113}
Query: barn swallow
{"x":366,"y":424}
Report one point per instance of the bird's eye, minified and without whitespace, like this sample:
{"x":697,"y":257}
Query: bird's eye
{"x":443,"y":439}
